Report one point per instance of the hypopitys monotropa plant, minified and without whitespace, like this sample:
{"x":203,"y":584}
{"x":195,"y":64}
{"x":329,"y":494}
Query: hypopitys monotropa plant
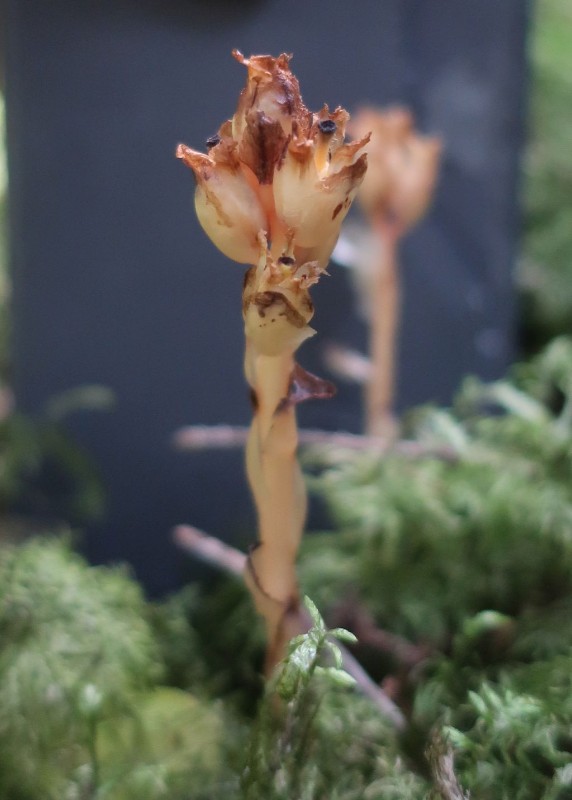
{"x":272,"y":192}
{"x":395,"y":195}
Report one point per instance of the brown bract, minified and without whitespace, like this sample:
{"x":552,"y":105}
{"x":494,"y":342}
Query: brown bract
{"x":276,"y":304}
{"x":278,"y":169}
{"x":402,"y":168}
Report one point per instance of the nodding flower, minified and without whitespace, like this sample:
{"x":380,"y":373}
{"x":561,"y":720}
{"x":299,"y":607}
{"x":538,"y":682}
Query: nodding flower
{"x":402,"y":170}
{"x":276,"y":168}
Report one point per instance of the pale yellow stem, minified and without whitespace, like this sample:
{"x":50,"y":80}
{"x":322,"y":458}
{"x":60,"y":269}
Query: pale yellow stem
{"x":384,"y":325}
{"x":279,"y":493}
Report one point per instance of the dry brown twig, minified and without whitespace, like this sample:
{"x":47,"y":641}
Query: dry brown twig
{"x":442,"y":763}
{"x":224,"y":437}
{"x":232,"y":561}
{"x":352,"y":615}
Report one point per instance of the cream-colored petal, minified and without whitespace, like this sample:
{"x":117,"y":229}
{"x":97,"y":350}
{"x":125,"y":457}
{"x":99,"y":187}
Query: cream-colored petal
{"x":318,"y":253}
{"x":227,"y":206}
{"x":295,"y":186}
{"x":312,"y":207}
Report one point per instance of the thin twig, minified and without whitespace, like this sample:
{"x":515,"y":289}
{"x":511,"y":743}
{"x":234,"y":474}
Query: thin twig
{"x":358,"y":620}
{"x":227,"y":558}
{"x":228,"y":437}
{"x":209,"y":549}
{"x":348,"y":364}
{"x":442,"y":763}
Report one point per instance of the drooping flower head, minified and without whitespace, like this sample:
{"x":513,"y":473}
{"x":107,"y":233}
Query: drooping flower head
{"x":403,"y":166}
{"x":278,"y":170}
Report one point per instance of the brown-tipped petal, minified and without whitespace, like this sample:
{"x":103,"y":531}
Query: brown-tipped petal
{"x":345,"y":183}
{"x":229,"y":211}
{"x":348,"y":153}
{"x":295,"y":186}
{"x":200,"y":163}
{"x":271,"y":89}
{"x":314,"y":209}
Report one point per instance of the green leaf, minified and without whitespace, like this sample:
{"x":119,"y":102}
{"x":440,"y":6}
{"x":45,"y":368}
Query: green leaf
{"x":343,"y":635}
{"x":314,"y":614}
{"x":337,"y":676}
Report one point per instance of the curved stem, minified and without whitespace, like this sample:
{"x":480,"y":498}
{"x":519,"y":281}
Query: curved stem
{"x":279,"y":493}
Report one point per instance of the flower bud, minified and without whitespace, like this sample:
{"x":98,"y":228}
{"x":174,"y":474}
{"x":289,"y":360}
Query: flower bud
{"x":276,"y":168}
{"x":272,"y":90}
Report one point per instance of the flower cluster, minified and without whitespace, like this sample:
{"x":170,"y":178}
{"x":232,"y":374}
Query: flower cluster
{"x":402,"y":170}
{"x":276,"y":173}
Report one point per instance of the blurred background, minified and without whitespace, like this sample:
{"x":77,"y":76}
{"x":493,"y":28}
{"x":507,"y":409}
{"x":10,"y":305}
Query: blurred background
{"x":109,"y":284}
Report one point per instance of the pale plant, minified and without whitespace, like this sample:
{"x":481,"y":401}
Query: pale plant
{"x":395,"y":194}
{"x":272,"y":192}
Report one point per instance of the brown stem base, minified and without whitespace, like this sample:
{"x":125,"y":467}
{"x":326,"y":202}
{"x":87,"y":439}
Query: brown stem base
{"x":227,"y":558}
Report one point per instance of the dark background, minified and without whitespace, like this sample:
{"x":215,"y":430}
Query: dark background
{"x":115,"y":283}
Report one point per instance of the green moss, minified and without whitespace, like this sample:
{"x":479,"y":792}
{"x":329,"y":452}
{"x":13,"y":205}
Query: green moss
{"x":83,"y":714}
{"x":546,"y":271}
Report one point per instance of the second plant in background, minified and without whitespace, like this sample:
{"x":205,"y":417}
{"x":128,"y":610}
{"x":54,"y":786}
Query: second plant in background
{"x":395,"y":194}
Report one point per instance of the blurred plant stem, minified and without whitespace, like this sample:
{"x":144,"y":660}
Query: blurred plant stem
{"x":545,"y":270}
{"x":383,"y":332}
{"x":4,"y":280}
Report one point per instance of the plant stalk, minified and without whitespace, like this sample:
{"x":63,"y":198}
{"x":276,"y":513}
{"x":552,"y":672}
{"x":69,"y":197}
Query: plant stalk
{"x":384,"y":326}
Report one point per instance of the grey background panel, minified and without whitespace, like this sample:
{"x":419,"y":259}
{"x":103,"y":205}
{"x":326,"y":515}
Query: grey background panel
{"x":115,"y":283}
